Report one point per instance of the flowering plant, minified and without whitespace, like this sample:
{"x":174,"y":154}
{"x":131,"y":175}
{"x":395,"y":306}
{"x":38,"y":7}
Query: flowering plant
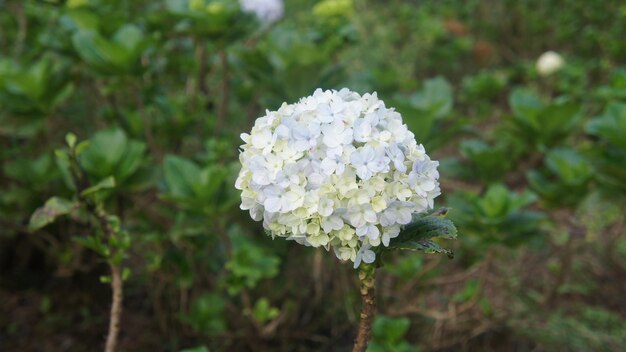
{"x":549,"y":63}
{"x":337,"y":170}
{"x":267,"y":11}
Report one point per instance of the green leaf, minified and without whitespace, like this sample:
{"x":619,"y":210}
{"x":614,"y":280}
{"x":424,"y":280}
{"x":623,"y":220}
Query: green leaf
{"x":525,"y":105}
{"x":70,"y":139}
{"x":53,"y":208}
{"x":557,"y":119}
{"x":427,"y":246}
{"x":564,"y":180}
{"x":61,"y":95}
{"x":419,"y":233}
{"x":424,"y":107}
{"x":106,"y":183}
{"x":105,"y":55}
{"x":211,"y":180}
{"x":80,"y":19}
{"x":611,"y":126}
{"x":214,"y":19}
{"x":570,"y":166}
{"x":129,"y":37}
{"x":36,"y":172}
{"x":389,"y":330}
{"x":126,"y":272}
{"x":81,"y":147}
{"x":105,"y":150}
{"x":111,"y":153}
{"x":435,"y":98}
{"x":182,"y":176}
{"x":490,"y":162}
{"x":263,"y":311}
{"x":177,"y":6}
{"x":94,"y":243}
{"x":248,"y":264}
{"x":130,"y":162}
{"x":429,"y":227}
{"x":495,"y":202}
{"x":32,"y":82}
{"x":510,"y":226}
{"x":206,"y":314}
{"x":541,"y":124}
{"x":34,"y":87}
{"x":469,"y":291}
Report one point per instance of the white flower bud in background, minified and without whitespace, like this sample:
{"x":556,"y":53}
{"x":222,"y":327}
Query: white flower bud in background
{"x":549,"y":62}
{"x":267,"y":11}
{"x":335,"y":170}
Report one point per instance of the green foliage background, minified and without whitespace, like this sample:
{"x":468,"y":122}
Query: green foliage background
{"x":533,"y":168}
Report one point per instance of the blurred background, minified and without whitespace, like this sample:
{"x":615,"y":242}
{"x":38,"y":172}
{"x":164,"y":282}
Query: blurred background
{"x":532,"y":150}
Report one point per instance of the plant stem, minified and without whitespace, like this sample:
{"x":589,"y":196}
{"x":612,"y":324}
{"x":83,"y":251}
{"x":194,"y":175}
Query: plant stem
{"x":367,"y":277}
{"x":202,"y":59}
{"x":147,"y":129}
{"x":22,"y":30}
{"x":223,"y":108}
{"x":81,"y":182}
{"x":116,"y":308}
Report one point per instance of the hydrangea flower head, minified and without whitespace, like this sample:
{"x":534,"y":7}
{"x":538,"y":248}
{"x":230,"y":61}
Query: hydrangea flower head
{"x":336,"y":170}
{"x":549,"y":63}
{"x":267,"y":11}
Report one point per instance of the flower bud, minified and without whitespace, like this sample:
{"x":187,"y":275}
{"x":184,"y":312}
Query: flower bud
{"x":549,"y":62}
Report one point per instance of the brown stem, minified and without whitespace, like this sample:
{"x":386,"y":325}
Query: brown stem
{"x":368,"y":308}
{"x":111,"y":100}
{"x":204,"y":73}
{"x":223,"y":108}
{"x":82,"y":183}
{"x":22,"y":30}
{"x":116,"y":309}
{"x":201,"y":57}
{"x":147,"y":129}
{"x":116,"y":282}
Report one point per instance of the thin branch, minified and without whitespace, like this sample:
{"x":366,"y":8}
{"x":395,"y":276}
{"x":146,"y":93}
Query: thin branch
{"x":116,"y":308}
{"x":112,"y":102}
{"x":22,"y":30}
{"x":223,"y":108}
{"x":368,"y":309}
{"x":202,"y":59}
{"x":81,"y":181}
{"x":205,"y":71}
{"x":147,"y":128}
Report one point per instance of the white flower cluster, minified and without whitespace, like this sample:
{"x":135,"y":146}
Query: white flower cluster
{"x":267,"y":11}
{"x":549,"y":63}
{"x":338,"y":170}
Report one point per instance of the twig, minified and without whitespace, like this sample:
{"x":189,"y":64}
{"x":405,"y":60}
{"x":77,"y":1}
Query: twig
{"x":367,"y":276}
{"x":269,"y":330}
{"x":22,"y":30}
{"x":223,"y":109}
{"x":81,"y":181}
{"x":201,"y":57}
{"x":112,"y":101}
{"x":453,"y":279}
{"x":116,"y":308}
{"x":147,"y":129}
{"x":415,"y":280}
